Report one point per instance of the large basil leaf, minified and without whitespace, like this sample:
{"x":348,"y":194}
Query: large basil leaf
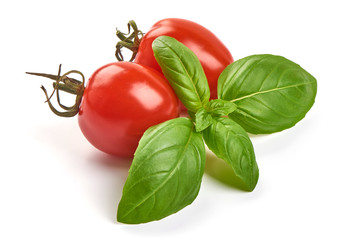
{"x":271,"y":92}
{"x":166,"y":172}
{"x":183,"y":70}
{"x":229,"y":141}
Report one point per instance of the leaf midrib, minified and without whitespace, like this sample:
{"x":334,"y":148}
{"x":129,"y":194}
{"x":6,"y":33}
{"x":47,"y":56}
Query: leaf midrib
{"x":186,"y":71}
{"x":271,"y":90}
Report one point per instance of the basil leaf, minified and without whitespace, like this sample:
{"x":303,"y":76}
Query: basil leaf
{"x":183,"y":70}
{"x":229,"y":141}
{"x":203,"y":119}
{"x":271,"y":92}
{"x":166,"y":172}
{"x":221,"y":107}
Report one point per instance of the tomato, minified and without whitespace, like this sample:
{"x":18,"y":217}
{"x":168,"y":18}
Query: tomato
{"x":212,"y":53}
{"x":122,"y":100}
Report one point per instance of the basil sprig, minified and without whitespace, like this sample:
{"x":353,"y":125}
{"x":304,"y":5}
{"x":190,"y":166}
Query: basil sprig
{"x":257,"y":94}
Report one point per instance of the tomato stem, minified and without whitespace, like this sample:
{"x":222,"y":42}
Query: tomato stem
{"x":130,"y":40}
{"x":66,"y":84}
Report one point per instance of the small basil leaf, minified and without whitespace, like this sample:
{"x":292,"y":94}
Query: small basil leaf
{"x":166,"y":172}
{"x":221,"y":107}
{"x":183,"y":70}
{"x":229,"y":141}
{"x":271,"y":92}
{"x":203,"y":119}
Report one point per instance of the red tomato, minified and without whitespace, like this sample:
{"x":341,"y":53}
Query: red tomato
{"x":212,"y":53}
{"x":122,"y":100}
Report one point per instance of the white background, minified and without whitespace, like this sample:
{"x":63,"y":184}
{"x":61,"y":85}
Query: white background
{"x":55,"y":185}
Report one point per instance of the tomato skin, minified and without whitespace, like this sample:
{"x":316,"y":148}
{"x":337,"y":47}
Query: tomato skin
{"x":122,"y":100}
{"x":212,"y":53}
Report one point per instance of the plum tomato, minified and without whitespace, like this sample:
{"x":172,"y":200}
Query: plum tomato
{"x":121,"y":100}
{"x":212,"y":53}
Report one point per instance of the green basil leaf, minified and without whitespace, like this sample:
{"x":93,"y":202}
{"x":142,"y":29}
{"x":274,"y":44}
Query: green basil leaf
{"x":183,"y":70}
{"x":203,"y":119}
{"x":220,"y":107}
{"x":166,"y":172}
{"x":271,"y":92}
{"x":229,"y":141}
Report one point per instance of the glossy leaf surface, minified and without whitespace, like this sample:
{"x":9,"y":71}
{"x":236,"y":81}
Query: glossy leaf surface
{"x":183,"y":70}
{"x":166,"y":172}
{"x":229,"y":141}
{"x":271,"y":92}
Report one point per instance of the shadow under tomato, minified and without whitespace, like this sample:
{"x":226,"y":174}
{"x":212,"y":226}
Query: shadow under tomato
{"x":107,"y":160}
{"x":106,"y":176}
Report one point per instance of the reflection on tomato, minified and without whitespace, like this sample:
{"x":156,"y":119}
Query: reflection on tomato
{"x":122,"y":100}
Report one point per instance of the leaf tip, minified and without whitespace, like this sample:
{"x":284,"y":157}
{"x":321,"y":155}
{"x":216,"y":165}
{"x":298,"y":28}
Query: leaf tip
{"x":159,"y":41}
{"x":251,"y":184}
{"x":125,"y":218}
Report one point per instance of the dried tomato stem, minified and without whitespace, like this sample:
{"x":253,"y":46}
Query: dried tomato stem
{"x":130,"y":40}
{"x":66,"y":84}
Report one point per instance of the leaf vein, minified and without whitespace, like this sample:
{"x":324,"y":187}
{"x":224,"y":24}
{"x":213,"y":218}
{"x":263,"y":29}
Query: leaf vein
{"x":185,"y":69}
{"x":172,"y":172}
{"x":270,"y":90}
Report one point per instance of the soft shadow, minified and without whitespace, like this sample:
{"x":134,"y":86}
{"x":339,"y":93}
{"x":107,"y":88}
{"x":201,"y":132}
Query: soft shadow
{"x":109,"y":161}
{"x":266,"y":145}
{"x":99,"y":177}
{"x":187,"y":219}
{"x":219,"y":170}
{"x":111,"y":174}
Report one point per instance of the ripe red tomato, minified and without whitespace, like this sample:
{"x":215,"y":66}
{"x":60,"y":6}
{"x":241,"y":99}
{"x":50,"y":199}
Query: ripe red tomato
{"x":122,"y":100}
{"x":212,"y":53}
